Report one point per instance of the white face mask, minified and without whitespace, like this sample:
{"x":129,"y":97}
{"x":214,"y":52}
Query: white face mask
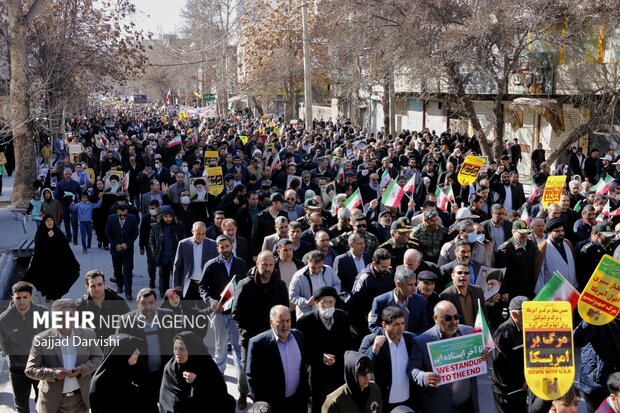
{"x":327,"y":312}
{"x":185,"y":200}
{"x":153,"y":212}
{"x":184,"y":169}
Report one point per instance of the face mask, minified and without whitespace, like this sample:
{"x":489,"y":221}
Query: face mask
{"x":259,"y":165}
{"x":153,"y":212}
{"x":157,"y":165}
{"x":185,"y":200}
{"x":327,"y":312}
{"x":617,"y":197}
{"x":472,"y":237}
{"x":480,"y":238}
{"x":184,"y":169}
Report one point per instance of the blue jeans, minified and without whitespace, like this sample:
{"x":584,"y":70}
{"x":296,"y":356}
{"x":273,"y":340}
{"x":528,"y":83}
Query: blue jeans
{"x":225,"y":326}
{"x":86,"y":232}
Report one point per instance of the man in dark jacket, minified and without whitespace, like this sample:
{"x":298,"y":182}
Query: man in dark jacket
{"x":16,"y":334}
{"x":165,"y":237}
{"x":68,"y":191}
{"x":517,"y":256}
{"x":148,"y":221}
{"x":391,"y":375}
{"x":121,"y":231}
{"x":102,"y":301}
{"x":508,"y":372}
{"x":327,"y":333}
{"x":217,"y":276}
{"x":286,"y":391}
{"x":265,"y":222}
{"x":254,"y":298}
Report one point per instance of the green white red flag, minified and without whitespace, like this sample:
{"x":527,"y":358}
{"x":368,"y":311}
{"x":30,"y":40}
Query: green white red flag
{"x":228,"y":293}
{"x":534,"y":191}
{"x":603,"y":186}
{"x":443,"y":199}
{"x":354,"y":200}
{"x":481,"y":326}
{"x":410,"y":185}
{"x":385,"y":179}
{"x":558,"y":289}
{"x":393,"y":195}
{"x":340,"y":174}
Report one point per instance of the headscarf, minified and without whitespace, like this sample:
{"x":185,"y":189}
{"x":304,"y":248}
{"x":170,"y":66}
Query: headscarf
{"x":42,"y":230}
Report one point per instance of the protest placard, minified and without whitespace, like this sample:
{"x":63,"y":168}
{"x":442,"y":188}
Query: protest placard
{"x":470,"y":169}
{"x":209,"y":156}
{"x":548,"y":347}
{"x":599,"y":303}
{"x":490,"y":280}
{"x":553,"y":190}
{"x":457,"y":358}
{"x":215,"y":180}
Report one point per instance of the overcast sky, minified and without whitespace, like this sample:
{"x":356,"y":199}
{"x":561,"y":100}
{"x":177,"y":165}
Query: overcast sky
{"x":156,"y":15}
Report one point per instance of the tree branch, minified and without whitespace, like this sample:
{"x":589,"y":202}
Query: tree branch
{"x":34,"y":10}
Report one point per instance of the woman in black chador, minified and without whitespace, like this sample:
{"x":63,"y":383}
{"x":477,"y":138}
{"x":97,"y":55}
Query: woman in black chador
{"x":192,"y":382}
{"x":121,"y":379}
{"x":53,"y":268}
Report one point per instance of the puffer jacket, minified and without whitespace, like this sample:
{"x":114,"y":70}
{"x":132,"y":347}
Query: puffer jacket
{"x":600,"y":354}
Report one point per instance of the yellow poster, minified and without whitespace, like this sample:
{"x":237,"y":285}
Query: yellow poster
{"x":215,"y":180}
{"x":210,"y":155}
{"x":470,"y":169}
{"x":164,"y":119}
{"x":548,"y":348}
{"x":599,"y":302}
{"x":244,"y":139}
{"x":553,"y":190}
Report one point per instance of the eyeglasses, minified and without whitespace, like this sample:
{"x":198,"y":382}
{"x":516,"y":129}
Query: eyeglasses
{"x":374,"y":180}
{"x":462,"y":272}
{"x":290,"y":199}
{"x":447,"y":318}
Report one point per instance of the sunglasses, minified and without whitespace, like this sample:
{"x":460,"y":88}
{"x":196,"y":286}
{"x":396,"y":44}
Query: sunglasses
{"x":290,"y":199}
{"x":462,"y":272}
{"x":447,"y":318}
{"x":122,"y":215}
{"x":360,"y":226}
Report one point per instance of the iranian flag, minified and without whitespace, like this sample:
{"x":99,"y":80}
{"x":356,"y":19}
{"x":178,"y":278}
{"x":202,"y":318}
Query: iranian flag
{"x":276,"y":160}
{"x":606,"y":209}
{"x":410,"y":185}
{"x":353,"y":201}
{"x":525,"y":216}
{"x":443,"y":198}
{"x":558,"y":289}
{"x":534,"y":191}
{"x":340,"y":174}
{"x":615,"y":213}
{"x":175,"y":142}
{"x":603,"y":186}
{"x":393,"y":195}
{"x":167,"y":102}
{"x":578,"y":206}
{"x":228,"y":293}
{"x":385,"y":179}
{"x":125,"y":182}
{"x":481,"y":326}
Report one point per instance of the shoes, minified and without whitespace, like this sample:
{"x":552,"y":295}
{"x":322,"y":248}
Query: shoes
{"x":89,"y":246}
{"x":74,"y":242}
{"x":84,"y":251}
{"x":119,"y":290}
{"x":129,"y":297}
{"x":242,"y":403}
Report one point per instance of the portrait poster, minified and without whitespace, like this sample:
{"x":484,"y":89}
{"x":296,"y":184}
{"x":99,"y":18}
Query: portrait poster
{"x":490,"y":280}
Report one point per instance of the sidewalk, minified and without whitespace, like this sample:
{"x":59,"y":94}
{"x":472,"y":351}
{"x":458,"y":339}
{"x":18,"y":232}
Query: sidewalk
{"x":12,"y":236}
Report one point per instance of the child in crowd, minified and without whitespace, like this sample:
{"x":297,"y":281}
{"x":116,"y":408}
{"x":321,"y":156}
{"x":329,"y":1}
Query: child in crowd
{"x":85,"y":218}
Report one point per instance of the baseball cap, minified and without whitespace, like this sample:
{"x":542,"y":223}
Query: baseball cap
{"x":465,"y":213}
{"x":276,"y":197}
{"x":520,"y":226}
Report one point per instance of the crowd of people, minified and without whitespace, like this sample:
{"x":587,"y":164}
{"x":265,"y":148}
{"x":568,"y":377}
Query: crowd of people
{"x":333,"y":294}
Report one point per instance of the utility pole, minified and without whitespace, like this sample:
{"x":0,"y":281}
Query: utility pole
{"x":307,"y":71}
